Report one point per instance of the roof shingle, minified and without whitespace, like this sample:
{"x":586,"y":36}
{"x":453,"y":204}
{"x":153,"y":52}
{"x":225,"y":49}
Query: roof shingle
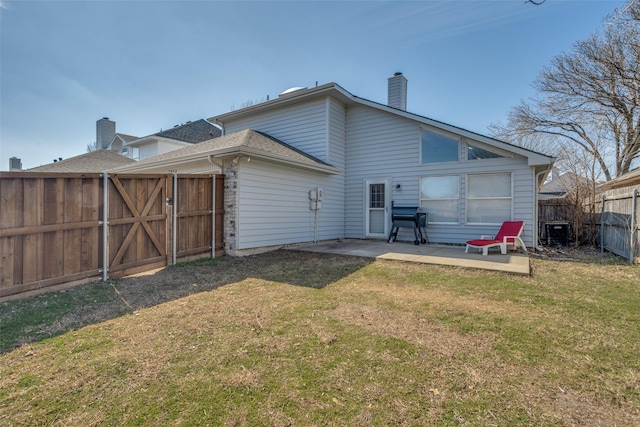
{"x":193,"y":132}
{"x":95,"y":161}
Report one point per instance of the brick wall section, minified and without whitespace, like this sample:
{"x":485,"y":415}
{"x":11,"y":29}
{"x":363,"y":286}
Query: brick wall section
{"x":230,"y":206}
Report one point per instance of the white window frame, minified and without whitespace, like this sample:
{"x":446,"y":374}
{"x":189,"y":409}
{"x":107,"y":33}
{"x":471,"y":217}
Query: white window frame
{"x":457,"y":199}
{"x":468,"y":178}
{"x":498,"y":152}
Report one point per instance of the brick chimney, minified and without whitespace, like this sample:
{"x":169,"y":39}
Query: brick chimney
{"x":105,"y":132}
{"x":397,"y":95}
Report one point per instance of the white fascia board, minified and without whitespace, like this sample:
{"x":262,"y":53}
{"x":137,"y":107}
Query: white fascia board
{"x":226,"y":153}
{"x":151,"y":139}
{"x":141,"y":141}
{"x":533,"y":158}
{"x":265,"y":155}
{"x":291,"y":98}
{"x":333,"y":89}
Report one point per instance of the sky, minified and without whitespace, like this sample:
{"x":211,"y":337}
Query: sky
{"x":151,"y":65}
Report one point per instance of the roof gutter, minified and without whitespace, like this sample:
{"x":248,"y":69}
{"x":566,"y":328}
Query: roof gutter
{"x":229,"y":152}
{"x":264,"y":155}
{"x":540,"y":176}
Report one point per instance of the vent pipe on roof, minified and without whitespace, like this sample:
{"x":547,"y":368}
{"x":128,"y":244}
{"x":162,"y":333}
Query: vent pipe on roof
{"x":397,"y":95}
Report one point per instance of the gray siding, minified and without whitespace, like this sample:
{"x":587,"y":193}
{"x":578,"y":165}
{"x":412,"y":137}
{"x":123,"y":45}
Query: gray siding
{"x":367,"y":144}
{"x":385,"y":145}
{"x":303,"y":126}
{"x":336,"y":133}
{"x":273,"y":205}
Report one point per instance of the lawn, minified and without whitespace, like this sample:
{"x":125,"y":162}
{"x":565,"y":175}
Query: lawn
{"x":298,"y":339}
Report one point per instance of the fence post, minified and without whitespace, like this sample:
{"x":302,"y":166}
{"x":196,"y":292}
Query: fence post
{"x":174,"y":217}
{"x":213,"y":216}
{"x":602,"y":225}
{"x":633,"y":230}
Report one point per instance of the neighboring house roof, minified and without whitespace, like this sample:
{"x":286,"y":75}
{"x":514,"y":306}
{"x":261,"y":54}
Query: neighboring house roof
{"x":560,"y":185}
{"x":183,"y":135}
{"x":190,"y":132}
{"x":125,"y":137}
{"x":628,"y":179}
{"x":247,"y":142}
{"x":194,"y":132}
{"x":94,"y":161}
{"x":533,"y":158}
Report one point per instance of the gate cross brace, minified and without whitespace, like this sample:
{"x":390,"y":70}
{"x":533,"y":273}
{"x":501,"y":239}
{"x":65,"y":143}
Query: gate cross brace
{"x":138,"y":215}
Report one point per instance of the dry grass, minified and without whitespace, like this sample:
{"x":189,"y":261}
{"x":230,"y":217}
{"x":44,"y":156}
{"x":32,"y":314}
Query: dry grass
{"x":355,"y":342}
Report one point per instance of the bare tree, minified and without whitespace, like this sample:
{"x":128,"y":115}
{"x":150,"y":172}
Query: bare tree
{"x":589,"y":98}
{"x":92,"y":146}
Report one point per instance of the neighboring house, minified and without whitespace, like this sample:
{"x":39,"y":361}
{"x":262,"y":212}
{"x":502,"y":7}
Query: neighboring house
{"x":179,"y":136}
{"x":361,"y":157}
{"x":561,"y":184}
{"x":94,"y":161}
{"x":630,"y":179}
{"x":119,"y":142}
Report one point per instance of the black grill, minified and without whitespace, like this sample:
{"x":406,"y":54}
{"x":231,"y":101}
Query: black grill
{"x":408,"y":217}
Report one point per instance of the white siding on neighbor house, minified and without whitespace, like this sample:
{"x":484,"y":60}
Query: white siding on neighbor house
{"x":381,"y":145}
{"x":303,"y":126}
{"x":273,"y":205}
{"x":147,"y":150}
{"x":159,"y":147}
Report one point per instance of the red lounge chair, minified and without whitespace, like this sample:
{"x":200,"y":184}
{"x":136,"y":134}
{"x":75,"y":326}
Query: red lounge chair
{"x":509,"y":234}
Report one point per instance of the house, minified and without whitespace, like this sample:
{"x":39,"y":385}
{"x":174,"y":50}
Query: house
{"x":119,"y":145}
{"x":179,"y":136}
{"x":629,"y":180}
{"x":562,"y":184}
{"x":321,"y":163}
{"x":94,"y":161}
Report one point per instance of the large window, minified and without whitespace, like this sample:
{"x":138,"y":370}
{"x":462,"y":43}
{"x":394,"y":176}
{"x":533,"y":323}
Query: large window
{"x":438,"y":148}
{"x":439,"y":195}
{"x":489,"y":198}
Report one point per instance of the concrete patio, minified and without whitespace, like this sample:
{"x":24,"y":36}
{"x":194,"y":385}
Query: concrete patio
{"x":512,"y":262}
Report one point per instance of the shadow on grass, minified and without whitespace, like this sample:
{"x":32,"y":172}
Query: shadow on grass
{"x":36,"y":318}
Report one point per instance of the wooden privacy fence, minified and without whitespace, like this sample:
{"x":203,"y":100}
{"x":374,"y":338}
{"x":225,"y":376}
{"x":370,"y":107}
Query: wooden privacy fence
{"x":52,"y":227}
{"x":620,"y":223}
{"x":579,"y":215}
{"x":551,"y":211}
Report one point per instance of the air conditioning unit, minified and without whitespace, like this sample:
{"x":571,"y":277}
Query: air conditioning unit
{"x":558,"y":233}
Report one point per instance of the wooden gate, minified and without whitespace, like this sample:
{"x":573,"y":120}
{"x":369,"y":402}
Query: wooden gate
{"x":52,"y":228}
{"x":137,"y":223}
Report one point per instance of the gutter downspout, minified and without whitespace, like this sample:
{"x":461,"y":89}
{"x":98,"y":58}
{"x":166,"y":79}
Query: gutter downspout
{"x":634,"y":211}
{"x":602,"y":245}
{"x":222,"y":128}
{"x":213,"y":216}
{"x":213,"y":162}
{"x":537,"y":244}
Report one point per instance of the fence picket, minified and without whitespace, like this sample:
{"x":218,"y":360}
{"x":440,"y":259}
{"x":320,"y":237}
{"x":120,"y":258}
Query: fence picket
{"x":52,"y":227}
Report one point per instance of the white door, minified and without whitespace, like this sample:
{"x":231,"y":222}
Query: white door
{"x":377,"y":208}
